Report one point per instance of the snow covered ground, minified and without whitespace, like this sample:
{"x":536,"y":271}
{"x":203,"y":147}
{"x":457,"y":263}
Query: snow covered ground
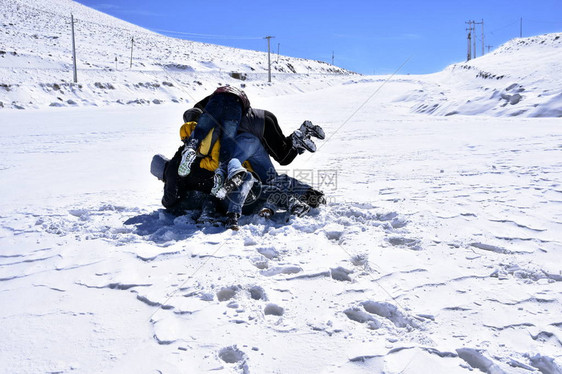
{"x":440,"y":248}
{"x":439,"y":251}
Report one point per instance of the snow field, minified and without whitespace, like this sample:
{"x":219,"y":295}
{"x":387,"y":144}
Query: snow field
{"x":439,"y":248}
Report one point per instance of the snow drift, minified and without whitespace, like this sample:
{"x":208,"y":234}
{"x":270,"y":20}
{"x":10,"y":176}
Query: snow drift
{"x":521,"y":78}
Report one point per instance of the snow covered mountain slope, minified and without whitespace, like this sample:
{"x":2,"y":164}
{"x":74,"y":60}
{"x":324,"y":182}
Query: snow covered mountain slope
{"x":36,"y":67}
{"x":521,"y":78}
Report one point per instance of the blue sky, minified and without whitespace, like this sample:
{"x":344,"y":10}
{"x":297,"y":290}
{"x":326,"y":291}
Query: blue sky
{"x":369,"y":37}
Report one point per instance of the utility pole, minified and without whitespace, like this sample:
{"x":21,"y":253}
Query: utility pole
{"x":269,"y":57}
{"x":469,"y":38}
{"x":73,"y":49}
{"x":521,"y":28}
{"x":474,"y":23}
{"x":472,"y":38}
{"x":332,"y":57}
{"x":489,"y":47}
{"x":482,"y":23}
{"x":469,"y":53}
{"x":132,"y":42}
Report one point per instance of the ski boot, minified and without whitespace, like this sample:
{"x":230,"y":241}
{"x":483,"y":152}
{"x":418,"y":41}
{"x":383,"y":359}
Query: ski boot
{"x":301,"y":142}
{"x":218,"y":182}
{"x":208,"y":211}
{"x":236,"y":174}
{"x":314,"y":198}
{"x":297,"y":207}
{"x":308,"y":129}
{"x":266,"y":213}
{"x":188,"y":155}
{"x":232,"y":221}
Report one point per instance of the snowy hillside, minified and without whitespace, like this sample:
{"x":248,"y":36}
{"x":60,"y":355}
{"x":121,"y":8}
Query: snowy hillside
{"x":521,"y":78}
{"x":36,"y":61}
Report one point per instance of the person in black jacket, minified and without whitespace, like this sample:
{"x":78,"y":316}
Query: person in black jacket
{"x":222,"y":111}
{"x":264,"y":127}
{"x":259,"y":137}
{"x":263,"y":124}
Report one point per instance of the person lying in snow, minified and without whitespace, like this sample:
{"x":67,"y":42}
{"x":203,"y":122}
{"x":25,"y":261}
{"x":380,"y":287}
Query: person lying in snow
{"x":264,"y":125}
{"x":274,"y":191}
{"x":268,"y":140}
{"x":222,"y":112}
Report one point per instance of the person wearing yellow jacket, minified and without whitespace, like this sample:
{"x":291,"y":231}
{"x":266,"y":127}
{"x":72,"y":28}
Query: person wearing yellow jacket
{"x":209,"y":149}
{"x":276,"y":188}
{"x":222,"y":113}
{"x":201,"y":177}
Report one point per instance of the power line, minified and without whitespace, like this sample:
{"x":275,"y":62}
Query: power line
{"x":503,"y":27}
{"x":140,"y":33}
{"x":365,"y":102}
{"x":207,"y":36}
{"x":551,"y":22}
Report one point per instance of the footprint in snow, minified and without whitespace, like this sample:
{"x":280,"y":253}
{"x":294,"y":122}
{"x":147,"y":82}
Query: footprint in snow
{"x":381,"y":309}
{"x":358,"y":315}
{"x":261,"y":263}
{"x":389,"y":312}
{"x":274,"y":310}
{"x":398,"y":241}
{"x":257,"y":293}
{"x":334,"y":231}
{"x":227,"y":293}
{"x":232,"y":355}
{"x":269,"y":252}
{"x":281,"y":270}
{"x":341,"y":274}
